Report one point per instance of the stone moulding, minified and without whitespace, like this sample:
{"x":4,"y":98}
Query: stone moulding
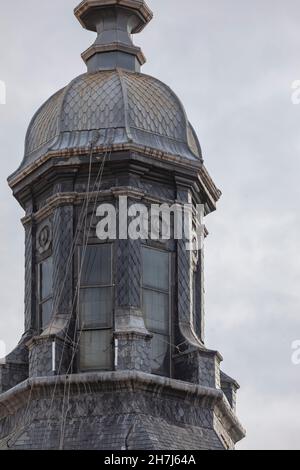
{"x":19,"y":175}
{"x":94,"y":49}
{"x":203,"y":175}
{"x":65,"y":199}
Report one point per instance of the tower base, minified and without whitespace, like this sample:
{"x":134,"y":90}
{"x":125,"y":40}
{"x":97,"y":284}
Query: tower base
{"x":116,"y":411}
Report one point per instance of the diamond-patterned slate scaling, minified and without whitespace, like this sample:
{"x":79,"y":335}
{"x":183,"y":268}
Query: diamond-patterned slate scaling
{"x":128,"y":291}
{"x":154,"y":108}
{"x":44,"y":125}
{"x":62,"y":242}
{"x":96,"y":102}
{"x":101,"y":101}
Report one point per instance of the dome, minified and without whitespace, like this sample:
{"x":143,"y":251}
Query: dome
{"x":112,"y":108}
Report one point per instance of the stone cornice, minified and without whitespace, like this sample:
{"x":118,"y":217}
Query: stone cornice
{"x":145,"y":155}
{"x":21,"y":174}
{"x":63,"y":199}
{"x":42,"y":387}
{"x":97,"y":48}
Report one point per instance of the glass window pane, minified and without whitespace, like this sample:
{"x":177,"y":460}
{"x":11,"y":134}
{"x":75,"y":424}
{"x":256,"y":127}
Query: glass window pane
{"x":46,"y":272}
{"x":156,"y":269}
{"x":197,"y":305}
{"x":95,"y":306}
{"x":96,"y":268}
{"x":95,"y":350}
{"x":156,"y":311}
{"x":160,"y":355}
{"x":46,"y":313}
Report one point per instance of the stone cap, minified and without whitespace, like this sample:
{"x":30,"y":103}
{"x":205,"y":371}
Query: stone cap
{"x":229,"y":380}
{"x":114,"y":21}
{"x":85,"y":12}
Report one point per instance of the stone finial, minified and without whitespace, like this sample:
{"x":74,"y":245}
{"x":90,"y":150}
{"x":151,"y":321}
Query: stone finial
{"x":114,"y":21}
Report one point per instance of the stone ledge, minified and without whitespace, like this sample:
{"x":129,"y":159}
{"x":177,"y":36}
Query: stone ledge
{"x":41,"y":387}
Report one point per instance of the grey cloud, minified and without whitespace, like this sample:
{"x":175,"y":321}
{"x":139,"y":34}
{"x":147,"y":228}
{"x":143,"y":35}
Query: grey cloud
{"x":232,"y":64}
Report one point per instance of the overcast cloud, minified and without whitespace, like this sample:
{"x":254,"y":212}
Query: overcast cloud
{"x":232,"y":63}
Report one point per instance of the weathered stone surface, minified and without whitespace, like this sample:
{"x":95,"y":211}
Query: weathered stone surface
{"x":12,"y":374}
{"x":230,"y":388}
{"x":116,"y":411}
{"x":200,"y":367}
{"x":41,"y":360}
{"x":134,"y":351}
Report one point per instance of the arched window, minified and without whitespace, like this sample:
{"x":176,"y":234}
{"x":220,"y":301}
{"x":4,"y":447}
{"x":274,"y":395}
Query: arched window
{"x":157,"y":306}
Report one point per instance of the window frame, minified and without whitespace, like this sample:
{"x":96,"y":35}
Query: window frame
{"x":168,"y":293}
{"x":197,"y":297}
{"x":81,"y":287}
{"x":41,"y":302}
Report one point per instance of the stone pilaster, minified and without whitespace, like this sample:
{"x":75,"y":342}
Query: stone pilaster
{"x":186,"y":336}
{"x":49,"y":355}
{"x":132,"y":340}
{"x":30,"y":276}
{"x":41,"y":352}
{"x":63,"y":260}
{"x":229,"y":387}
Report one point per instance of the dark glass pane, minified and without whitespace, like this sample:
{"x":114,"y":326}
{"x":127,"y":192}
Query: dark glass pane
{"x":46,"y":272}
{"x":95,"y":306}
{"x":197,"y":304}
{"x":96,"y":268}
{"x":46,"y":313}
{"x":160,"y":355}
{"x":156,"y":311}
{"x":95,"y":350}
{"x":156,"y":269}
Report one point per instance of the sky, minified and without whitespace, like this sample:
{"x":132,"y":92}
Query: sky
{"x":232,"y":63}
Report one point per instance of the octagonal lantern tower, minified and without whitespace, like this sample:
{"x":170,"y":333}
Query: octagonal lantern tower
{"x":113,"y":355}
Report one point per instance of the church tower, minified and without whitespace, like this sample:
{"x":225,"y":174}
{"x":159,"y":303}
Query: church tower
{"x":113,"y":355}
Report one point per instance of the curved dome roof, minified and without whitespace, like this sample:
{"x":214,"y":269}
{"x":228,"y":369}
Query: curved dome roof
{"x":111,"y":108}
